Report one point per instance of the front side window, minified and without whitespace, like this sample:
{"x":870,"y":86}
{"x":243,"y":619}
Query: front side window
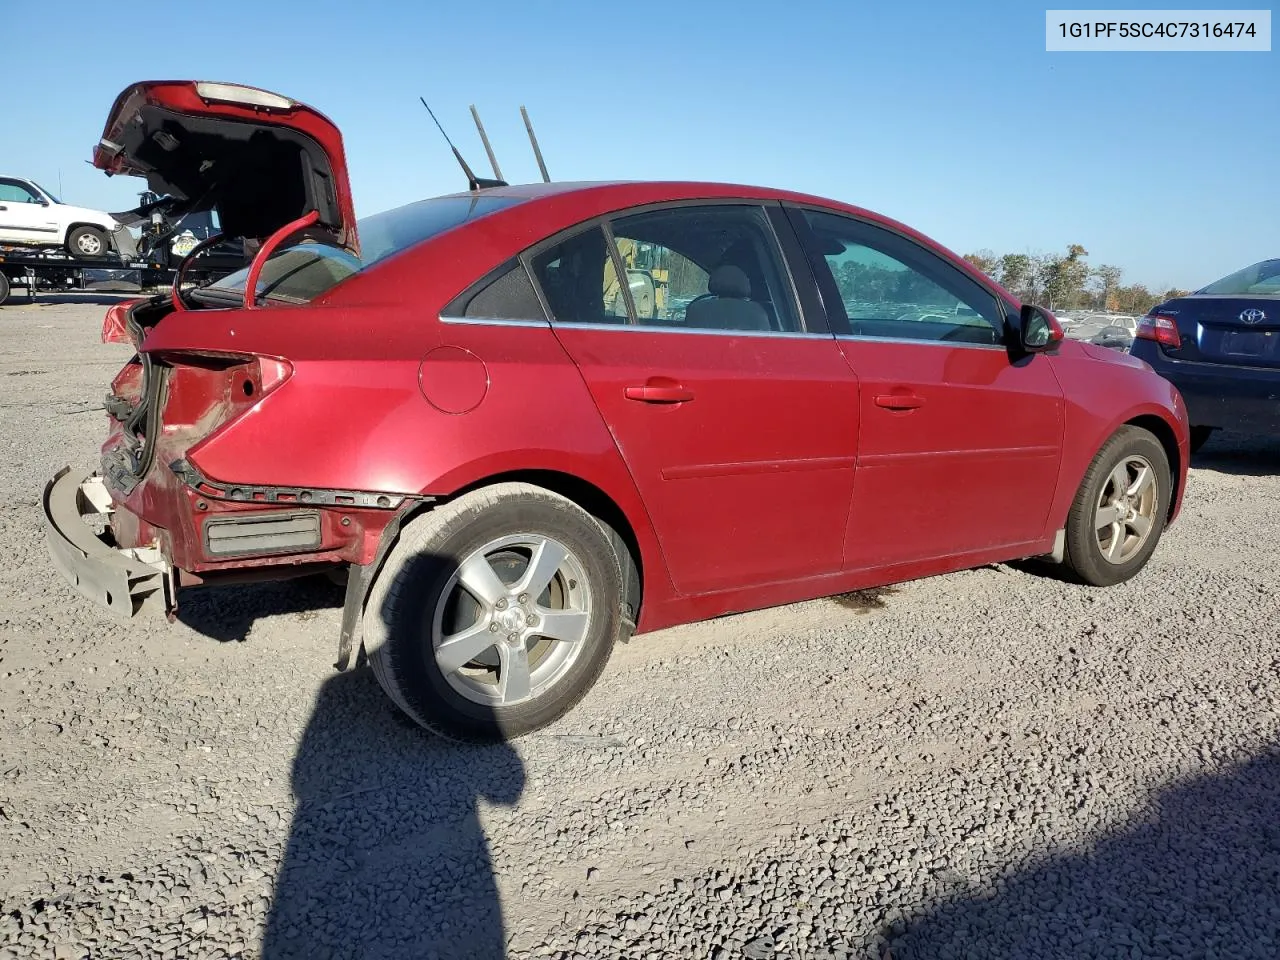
{"x":11,"y":191}
{"x":891,"y":288}
{"x":699,"y":267}
{"x":1259,"y":280}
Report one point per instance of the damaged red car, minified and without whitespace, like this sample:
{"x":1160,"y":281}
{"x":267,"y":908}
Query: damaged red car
{"x":531,"y":421}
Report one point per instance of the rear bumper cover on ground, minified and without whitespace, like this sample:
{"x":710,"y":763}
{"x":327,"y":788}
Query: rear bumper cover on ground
{"x":126,"y":581}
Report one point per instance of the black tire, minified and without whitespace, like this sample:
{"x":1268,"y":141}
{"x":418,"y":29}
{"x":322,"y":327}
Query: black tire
{"x":1084,"y":554}
{"x":4,"y":288}
{"x":92,"y":238}
{"x":1199,"y":437}
{"x":400,"y":612}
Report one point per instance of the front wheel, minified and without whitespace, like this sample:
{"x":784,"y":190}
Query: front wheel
{"x":495,"y":613}
{"x":1119,"y":512}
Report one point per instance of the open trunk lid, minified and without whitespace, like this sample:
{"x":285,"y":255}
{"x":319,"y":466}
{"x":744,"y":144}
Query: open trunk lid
{"x":259,"y":159}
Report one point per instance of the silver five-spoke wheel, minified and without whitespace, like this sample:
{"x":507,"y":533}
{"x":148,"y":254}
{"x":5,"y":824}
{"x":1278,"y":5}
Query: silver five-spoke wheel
{"x":495,"y":612}
{"x":512,"y":619}
{"x":1126,"y":509}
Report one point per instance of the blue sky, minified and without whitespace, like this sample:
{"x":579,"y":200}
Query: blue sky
{"x":951,"y":117}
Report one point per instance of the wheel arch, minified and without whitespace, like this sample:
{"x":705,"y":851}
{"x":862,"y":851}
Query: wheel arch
{"x":77,"y":224}
{"x":1160,"y":428}
{"x":1087,"y":430}
{"x":619,"y":527}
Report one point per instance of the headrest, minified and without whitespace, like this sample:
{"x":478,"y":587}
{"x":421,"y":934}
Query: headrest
{"x":727,"y":280}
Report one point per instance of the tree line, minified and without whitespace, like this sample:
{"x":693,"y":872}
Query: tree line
{"x":1066,"y":281}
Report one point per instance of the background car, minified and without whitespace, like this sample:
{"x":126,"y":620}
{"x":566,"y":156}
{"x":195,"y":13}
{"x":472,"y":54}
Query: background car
{"x":32,"y":216}
{"x":1221,"y":347}
{"x":518,"y":463}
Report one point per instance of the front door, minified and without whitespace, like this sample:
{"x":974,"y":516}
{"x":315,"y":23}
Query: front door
{"x":23,"y":217}
{"x":960,"y":441}
{"x":738,"y":426}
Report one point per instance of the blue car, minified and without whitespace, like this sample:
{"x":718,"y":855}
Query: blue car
{"x":1220,"y":346}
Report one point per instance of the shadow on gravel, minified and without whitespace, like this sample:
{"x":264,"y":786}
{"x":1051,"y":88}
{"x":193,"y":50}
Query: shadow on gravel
{"x":227,"y":613}
{"x":386,"y":856}
{"x":1199,"y":878}
{"x":1241,"y":455}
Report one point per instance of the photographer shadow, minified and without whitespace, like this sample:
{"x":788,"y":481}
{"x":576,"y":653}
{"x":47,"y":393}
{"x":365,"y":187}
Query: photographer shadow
{"x":386,"y":856}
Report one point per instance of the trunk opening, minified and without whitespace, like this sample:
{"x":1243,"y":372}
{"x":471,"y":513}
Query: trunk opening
{"x":256,"y":176}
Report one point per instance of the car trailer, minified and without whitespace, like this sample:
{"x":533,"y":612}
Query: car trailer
{"x":34,"y":268}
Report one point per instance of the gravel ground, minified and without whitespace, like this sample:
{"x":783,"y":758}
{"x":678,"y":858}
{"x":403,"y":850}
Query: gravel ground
{"x":988,"y":764}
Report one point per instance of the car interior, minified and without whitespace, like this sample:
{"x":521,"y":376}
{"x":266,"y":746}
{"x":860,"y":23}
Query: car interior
{"x":716,"y":266}
{"x":902,"y":296}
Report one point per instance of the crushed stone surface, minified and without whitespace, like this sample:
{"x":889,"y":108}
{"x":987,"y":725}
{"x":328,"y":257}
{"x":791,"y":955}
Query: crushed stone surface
{"x":992,"y":764}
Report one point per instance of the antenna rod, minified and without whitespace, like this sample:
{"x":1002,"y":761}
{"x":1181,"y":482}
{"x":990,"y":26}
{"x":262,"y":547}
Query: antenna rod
{"x":534,"y":140}
{"x":465,"y":169}
{"x":493,"y":161}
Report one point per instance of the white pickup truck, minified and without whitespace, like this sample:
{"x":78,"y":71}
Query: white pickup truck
{"x":31,"y":216}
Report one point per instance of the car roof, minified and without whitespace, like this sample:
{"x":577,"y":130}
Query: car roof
{"x":633,"y":192}
{"x":566,"y":202}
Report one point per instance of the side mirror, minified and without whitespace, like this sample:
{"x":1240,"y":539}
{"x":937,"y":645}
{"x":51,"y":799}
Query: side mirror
{"x":1038,"y":330}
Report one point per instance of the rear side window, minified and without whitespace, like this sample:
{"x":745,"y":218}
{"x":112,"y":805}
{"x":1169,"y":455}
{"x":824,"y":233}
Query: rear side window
{"x":572,"y":275}
{"x":697,"y":267}
{"x":507,"y":294}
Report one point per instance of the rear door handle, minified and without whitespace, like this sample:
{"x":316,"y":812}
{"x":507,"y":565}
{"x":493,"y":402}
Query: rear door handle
{"x":659,"y":390}
{"x":899,"y":401}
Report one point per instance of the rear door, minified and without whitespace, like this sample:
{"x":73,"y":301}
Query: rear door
{"x":737,"y":420}
{"x":959,"y":443}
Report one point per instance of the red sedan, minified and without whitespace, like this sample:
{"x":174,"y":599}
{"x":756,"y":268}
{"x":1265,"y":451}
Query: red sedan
{"x":530,"y":421}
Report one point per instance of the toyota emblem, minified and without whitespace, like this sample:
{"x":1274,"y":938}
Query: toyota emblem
{"x":1253,"y":316}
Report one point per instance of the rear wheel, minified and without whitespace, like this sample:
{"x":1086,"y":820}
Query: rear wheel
{"x":86,"y":242}
{"x":1199,"y":437}
{"x":1119,"y":512}
{"x":495,"y":613}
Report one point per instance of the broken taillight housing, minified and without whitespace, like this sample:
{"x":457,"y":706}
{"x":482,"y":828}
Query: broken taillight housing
{"x":210,"y":389}
{"x":1163,"y":330}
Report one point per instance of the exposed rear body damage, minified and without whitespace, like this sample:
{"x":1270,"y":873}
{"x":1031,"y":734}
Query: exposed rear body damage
{"x":517,"y":459}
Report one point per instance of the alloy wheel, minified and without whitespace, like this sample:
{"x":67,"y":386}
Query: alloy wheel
{"x":1126,"y":509}
{"x":512,"y":620}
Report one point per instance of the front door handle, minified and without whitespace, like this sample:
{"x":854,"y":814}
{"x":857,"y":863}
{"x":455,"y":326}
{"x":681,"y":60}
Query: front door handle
{"x":899,"y":401}
{"x":659,"y":390}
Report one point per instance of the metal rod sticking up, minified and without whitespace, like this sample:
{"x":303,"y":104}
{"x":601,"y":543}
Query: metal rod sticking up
{"x":484,"y":138}
{"x":534,"y":140}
